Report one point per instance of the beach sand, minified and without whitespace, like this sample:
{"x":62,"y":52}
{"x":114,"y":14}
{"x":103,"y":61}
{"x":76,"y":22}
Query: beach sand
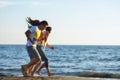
{"x":48,"y":78}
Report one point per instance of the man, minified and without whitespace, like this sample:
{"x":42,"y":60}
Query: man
{"x":42,"y":43}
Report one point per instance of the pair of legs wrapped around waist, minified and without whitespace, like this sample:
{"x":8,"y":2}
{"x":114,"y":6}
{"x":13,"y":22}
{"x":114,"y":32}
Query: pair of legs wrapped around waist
{"x":42,"y":54}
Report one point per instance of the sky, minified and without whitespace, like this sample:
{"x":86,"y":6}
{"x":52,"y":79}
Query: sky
{"x":73,"y":22}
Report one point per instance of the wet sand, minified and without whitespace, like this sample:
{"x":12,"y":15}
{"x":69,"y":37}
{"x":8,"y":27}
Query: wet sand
{"x":48,"y":78}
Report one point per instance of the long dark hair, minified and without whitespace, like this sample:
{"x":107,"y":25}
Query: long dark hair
{"x":32,"y":22}
{"x":35,"y":22}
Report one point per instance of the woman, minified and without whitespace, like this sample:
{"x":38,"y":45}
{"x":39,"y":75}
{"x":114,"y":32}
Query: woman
{"x":32,"y":34}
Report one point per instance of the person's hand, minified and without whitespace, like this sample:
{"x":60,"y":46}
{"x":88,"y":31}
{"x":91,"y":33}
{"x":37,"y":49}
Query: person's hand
{"x":32,"y":42}
{"x":34,"y":45}
{"x":52,"y":48}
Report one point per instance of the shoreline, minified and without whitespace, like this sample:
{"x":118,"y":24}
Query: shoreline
{"x":47,"y":78}
{"x":53,"y":78}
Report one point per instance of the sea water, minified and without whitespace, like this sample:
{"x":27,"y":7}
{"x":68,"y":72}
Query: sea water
{"x":65,"y":60}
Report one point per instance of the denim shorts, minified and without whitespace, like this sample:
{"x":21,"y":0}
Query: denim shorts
{"x":41,"y":52}
{"x":32,"y":52}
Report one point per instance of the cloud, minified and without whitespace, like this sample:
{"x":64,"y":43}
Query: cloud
{"x":33,"y":3}
{"x":6,"y":3}
{"x":40,"y":3}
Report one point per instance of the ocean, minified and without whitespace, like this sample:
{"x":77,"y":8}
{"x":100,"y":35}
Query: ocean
{"x":65,"y":60}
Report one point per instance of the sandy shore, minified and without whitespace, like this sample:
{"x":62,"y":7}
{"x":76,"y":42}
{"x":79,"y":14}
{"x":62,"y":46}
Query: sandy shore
{"x":47,"y":78}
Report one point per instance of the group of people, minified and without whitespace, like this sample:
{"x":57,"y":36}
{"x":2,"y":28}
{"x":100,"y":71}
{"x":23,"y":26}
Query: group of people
{"x":37,"y":35}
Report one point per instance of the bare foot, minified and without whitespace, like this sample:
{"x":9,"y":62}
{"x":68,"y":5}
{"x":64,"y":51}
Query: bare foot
{"x":32,"y":73}
{"x":28,"y":74}
{"x":38,"y":72}
{"x":50,"y":74}
{"x":24,"y":70}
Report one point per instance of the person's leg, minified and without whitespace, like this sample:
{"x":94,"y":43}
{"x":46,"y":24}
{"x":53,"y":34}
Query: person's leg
{"x":30,"y":69}
{"x":44,"y":58}
{"x":49,"y":72}
{"x":38,"y":71}
{"x":27,"y":66}
{"x":48,"y":69}
{"x":35,"y":68}
{"x":33,"y":60}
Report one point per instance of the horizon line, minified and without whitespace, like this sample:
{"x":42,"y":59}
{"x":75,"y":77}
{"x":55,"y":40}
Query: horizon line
{"x":74,"y":44}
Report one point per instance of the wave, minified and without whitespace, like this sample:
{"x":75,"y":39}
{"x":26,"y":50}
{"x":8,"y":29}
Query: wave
{"x":9,"y":72}
{"x":6,"y":75}
{"x":77,"y":74}
{"x":13,"y":70}
{"x":91,"y":74}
